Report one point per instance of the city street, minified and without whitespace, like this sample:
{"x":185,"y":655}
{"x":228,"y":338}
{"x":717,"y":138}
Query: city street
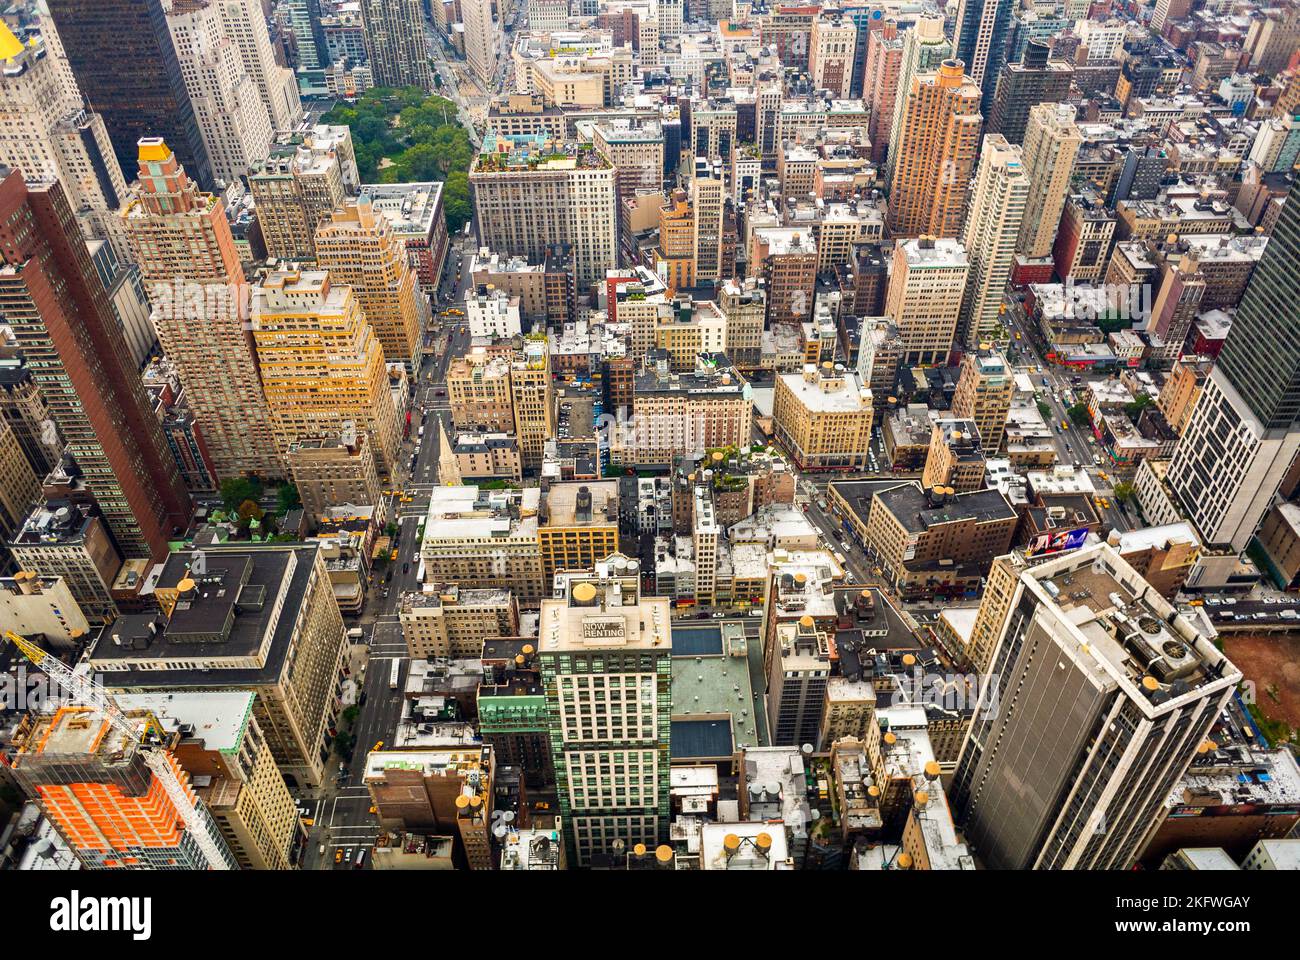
{"x":341,"y":811}
{"x":1075,"y":444}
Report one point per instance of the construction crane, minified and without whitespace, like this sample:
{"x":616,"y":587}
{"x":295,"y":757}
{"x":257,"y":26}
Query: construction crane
{"x":82,"y":690}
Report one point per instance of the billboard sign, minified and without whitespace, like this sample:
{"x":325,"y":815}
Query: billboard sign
{"x":1059,"y":542}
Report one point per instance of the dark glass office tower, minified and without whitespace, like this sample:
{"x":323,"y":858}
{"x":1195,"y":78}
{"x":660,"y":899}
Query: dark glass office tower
{"x":1024,"y":85}
{"x":982,"y":36}
{"x":122,"y":55}
{"x":1261,"y":356}
{"x":1245,"y":431}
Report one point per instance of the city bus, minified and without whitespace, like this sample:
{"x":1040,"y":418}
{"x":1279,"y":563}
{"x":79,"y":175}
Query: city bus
{"x":395,"y":674}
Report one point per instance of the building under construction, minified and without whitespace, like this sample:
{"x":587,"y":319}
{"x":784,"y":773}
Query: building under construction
{"x":95,"y":785}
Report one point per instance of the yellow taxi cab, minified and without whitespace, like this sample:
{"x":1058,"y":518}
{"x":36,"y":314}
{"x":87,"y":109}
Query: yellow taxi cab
{"x":379,"y":745}
{"x":338,"y":855}
{"x":392,"y":556}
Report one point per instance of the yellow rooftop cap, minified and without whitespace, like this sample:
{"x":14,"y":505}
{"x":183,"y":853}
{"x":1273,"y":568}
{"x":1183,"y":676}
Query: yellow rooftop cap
{"x":10,"y":46}
{"x":153,"y":149}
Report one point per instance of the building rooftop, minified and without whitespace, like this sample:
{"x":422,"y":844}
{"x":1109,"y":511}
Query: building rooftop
{"x":713,"y":700}
{"x":918,"y":510}
{"x":833,"y":391}
{"x":234,"y":625}
{"x":1124,"y":633}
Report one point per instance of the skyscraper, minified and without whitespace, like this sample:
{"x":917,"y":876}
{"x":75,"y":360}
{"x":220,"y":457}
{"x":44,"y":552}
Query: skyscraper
{"x":308,"y":34}
{"x":1034,"y":80}
{"x":938,"y":144}
{"x":1245,"y":430}
{"x":1100,"y":695}
{"x":707,"y":197}
{"x":123,"y":57}
{"x":982,"y":34}
{"x":246,"y":25}
{"x":232,"y":118}
{"x":396,"y":45}
{"x":322,"y":366}
{"x":997,"y":207}
{"x":1052,"y":141}
{"x":606,"y":662}
{"x":47,"y":132}
{"x":52,"y":298}
{"x":358,"y":248}
{"x":884,"y":59}
{"x":295,"y":189}
{"x":481,"y":38}
{"x":924,"y":48}
{"x":186,"y":255}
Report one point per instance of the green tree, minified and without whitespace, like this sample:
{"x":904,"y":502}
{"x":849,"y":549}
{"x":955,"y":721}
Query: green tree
{"x":1137,"y":406}
{"x":1045,"y":411}
{"x":235,"y":490}
{"x":455,"y":200}
{"x":1079,"y":414}
{"x":249,"y":510}
{"x":1123,"y":491}
{"x":287,"y":498}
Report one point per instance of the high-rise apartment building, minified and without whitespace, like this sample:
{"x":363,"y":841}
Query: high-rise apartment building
{"x":831,"y":47}
{"x":182,"y":244}
{"x":46,"y":131}
{"x":937,"y":149}
{"x":1243,"y":435}
{"x":331,"y":472}
{"x":532,"y":400}
{"x":245,"y":24}
{"x":55,"y":303}
{"x":1101,"y":694}
{"x":708,"y":197}
{"x":984,"y":391}
{"x":24,"y":407}
{"x":296,"y":188}
{"x":396,"y":44}
{"x":606,"y":662}
{"x":924,"y":299}
{"x":980,"y":42}
{"x":530,"y":194}
{"x":233,"y":119}
{"x":111,"y":809}
{"x":221,"y":746}
{"x":924,"y":48}
{"x":1052,"y":142}
{"x":322,"y":367}
{"x":358,"y":247}
{"x":19,"y":487}
{"x":482,"y":37}
{"x":997,"y":209}
{"x":1024,"y":85}
{"x":884,"y":61}
{"x":679,"y":413}
{"x":123,"y":57}
{"x":234,"y":617}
